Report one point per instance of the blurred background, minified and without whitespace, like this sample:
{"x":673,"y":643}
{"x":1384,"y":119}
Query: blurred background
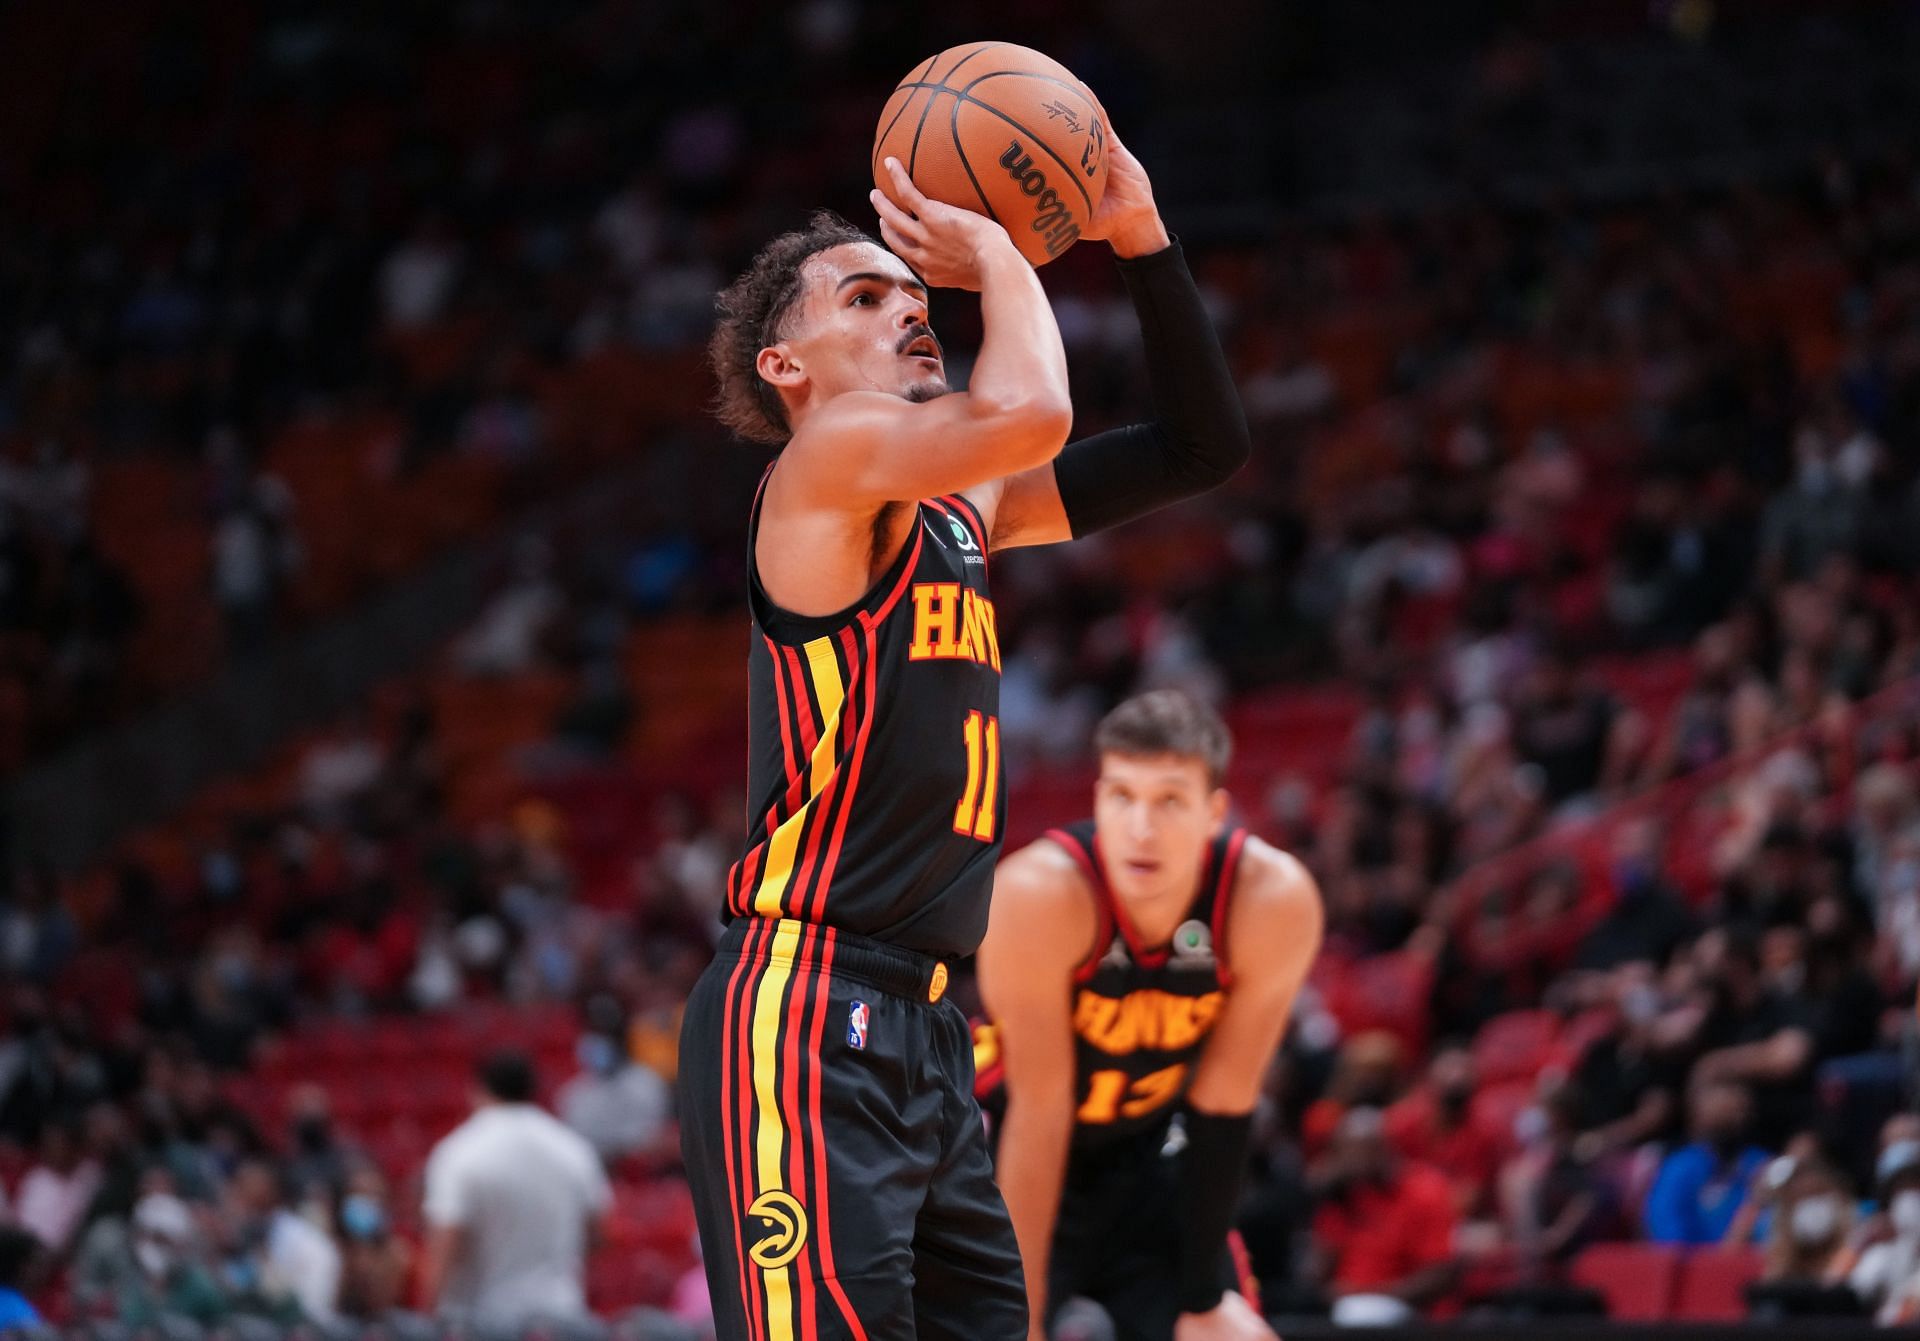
{"x":372,"y":689}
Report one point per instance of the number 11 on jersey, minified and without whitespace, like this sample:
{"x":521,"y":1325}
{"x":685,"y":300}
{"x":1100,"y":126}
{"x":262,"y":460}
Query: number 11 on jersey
{"x":974,"y":815}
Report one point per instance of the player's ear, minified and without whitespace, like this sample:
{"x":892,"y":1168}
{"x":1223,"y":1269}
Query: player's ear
{"x":778,"y":365}
{"x":1217,"y":806}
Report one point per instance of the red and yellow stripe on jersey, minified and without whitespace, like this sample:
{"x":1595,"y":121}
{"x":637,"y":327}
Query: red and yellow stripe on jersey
{"x":825,"y":690}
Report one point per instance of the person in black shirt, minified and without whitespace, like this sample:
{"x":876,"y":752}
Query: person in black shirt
{"x":1647,"y":921}
{"x":1565,"y":727}
{"x":1753,"y":1034}
{"x":1629,"y":1088}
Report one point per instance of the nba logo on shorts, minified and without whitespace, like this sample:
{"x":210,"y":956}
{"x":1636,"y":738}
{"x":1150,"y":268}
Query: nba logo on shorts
{"x":857,"y":1025}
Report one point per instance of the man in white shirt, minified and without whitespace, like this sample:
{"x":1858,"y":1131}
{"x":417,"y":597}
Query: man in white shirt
{"x":296,"y":1258}
{"x":56,"y":1192}
{"x":513,"y":1201}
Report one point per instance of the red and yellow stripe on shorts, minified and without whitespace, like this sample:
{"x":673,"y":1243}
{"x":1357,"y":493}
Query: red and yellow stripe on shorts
{"x":773,"y":1137}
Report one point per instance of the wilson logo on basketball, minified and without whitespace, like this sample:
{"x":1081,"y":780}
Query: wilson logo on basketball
{"x":1051,"y":215}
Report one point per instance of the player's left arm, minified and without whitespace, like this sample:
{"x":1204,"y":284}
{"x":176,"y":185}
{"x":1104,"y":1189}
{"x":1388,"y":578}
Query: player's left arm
{"x":1198,"y":435}
{"x":1273,"y":932}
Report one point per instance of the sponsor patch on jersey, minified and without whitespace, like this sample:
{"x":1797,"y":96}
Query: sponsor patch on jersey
{"x":857,"y":1025}
{"x":1192,"y":945}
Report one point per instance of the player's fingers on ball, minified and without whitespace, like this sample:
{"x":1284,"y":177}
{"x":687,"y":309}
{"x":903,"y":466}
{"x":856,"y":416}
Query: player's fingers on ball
{"x":909,"y":194}
{"x":904,"y":225}
{"x":887,"y":210}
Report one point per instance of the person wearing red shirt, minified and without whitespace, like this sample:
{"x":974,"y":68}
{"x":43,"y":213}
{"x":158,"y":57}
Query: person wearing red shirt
{"x":1384,"y":1227}
{"x":1432,"y":1126}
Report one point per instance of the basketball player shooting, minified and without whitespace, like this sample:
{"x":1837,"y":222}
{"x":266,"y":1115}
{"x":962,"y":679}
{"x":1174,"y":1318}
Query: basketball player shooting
{"x":838,"y":1160}
{"x":1140,"y":965}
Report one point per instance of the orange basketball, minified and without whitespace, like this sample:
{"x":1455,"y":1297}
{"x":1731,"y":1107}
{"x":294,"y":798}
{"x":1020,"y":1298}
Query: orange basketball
{"x":1006,"y":132}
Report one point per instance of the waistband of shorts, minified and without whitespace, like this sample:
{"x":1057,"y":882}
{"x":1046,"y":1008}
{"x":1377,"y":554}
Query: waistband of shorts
{"x":900,"y":972}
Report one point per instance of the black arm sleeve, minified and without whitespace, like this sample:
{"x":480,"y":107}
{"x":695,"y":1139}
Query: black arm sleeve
{"x":1216,"y":1159}
{"x":1197,"y":437}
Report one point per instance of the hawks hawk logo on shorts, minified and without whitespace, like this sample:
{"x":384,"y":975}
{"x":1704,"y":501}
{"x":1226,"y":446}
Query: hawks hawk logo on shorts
{"x":857,"y":1025}
{"x":781,"y":1224}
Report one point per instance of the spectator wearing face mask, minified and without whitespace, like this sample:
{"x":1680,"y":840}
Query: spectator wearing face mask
{"x":1385,"y":1225}
{"x":1754,"y":1032}
{"x":318,"y":1162}
{"x":620,"y":1106}
{"x":1557,"y":1202}
{"x":1647,"y":921}
{"x":1812,"y":1216}
{"x":1887,"y":1276}
{"x":1432,"y":1126}
{"x":1701,"y":1186}
{"x":149,"y":1265}
{"x":1629,"y":1084}
{"x":375,"y":1262}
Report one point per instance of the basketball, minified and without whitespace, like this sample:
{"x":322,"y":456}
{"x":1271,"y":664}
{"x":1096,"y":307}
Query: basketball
{"x":1004,"y":131}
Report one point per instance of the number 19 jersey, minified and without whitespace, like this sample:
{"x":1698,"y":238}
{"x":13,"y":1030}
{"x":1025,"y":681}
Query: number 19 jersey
{"x":874,"y":795}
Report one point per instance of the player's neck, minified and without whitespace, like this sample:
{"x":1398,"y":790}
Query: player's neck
{"x":1155,"y":917}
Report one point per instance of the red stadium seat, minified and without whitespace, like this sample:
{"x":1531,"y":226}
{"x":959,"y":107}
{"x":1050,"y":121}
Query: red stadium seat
{"x":1515,"y":1046}
{"x":1637,"y":1279}
{"x":1495,"y":1107}
{"x":1713,"y":1283}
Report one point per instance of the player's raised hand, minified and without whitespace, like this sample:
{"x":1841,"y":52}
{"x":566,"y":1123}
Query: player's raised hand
{"x":1126,"y":215}
{"x":947,"y":247}
{"x":1232,"y":1319}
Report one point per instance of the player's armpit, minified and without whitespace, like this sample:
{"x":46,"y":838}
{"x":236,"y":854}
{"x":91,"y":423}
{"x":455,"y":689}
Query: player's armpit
{"x":1023,"y":509}
{"x":865,"y":449}
{"x":1273,"y":932}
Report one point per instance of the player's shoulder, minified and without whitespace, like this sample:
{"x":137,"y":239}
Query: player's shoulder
{"x":1044,"y":867}
{"x":1274,"y":896}
{"x":1041,"y":890}
{"x":1273,"y":877}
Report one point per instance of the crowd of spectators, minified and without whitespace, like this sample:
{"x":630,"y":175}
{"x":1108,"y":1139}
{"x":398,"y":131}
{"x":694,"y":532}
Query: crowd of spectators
{"x":1499,"y":451}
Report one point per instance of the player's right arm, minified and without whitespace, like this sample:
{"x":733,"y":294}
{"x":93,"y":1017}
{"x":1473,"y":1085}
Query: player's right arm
{"x":1041,"y":926}
{"x":866,"y":449}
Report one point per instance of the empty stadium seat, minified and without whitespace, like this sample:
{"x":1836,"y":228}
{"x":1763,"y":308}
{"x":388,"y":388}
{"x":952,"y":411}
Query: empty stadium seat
{"x":1713,"y":1283}
{"x":1515,"y":1046}
{"x":1638,"y":1280}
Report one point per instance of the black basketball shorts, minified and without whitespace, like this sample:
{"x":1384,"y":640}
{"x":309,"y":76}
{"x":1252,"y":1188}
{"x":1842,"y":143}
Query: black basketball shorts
{"x":839,"y":1166}
{"x":1117,"y":1238}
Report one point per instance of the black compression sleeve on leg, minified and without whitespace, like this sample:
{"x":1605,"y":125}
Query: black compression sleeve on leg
{"x":1215,"y":1160}
{"x":1197,"y":437}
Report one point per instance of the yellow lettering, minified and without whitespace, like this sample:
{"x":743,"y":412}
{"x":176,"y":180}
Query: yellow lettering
{"x":935,"y":610}
{"x":969,"y":646}
{"x":953,"y":622}
{"x":1149,"y":1019}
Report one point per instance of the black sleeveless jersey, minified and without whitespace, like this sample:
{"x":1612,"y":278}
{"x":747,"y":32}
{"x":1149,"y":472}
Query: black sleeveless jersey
{"x":1142,"y":1014}
{"x":875,"y":800}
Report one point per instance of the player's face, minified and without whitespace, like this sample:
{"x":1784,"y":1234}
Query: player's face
{"x":864,"y":326}
{"x":1154,"y":816}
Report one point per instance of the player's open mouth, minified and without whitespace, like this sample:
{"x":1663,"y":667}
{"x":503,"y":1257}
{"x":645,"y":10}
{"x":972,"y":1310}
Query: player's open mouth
{"x":924,"y":347}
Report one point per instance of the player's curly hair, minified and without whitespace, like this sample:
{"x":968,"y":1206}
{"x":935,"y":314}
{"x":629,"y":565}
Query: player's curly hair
{"x":751,"y":311}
